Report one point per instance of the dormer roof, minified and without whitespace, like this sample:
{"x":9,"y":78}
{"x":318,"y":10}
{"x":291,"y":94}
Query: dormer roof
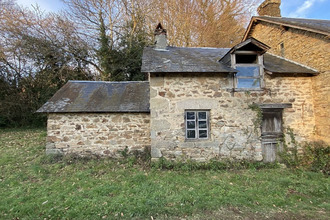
{"x":249,"y":45}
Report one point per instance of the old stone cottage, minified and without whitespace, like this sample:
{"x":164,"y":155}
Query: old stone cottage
{"x":203,"y":103}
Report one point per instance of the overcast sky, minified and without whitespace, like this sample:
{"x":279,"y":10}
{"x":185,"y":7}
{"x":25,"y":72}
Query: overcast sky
{"x":318,"y":9}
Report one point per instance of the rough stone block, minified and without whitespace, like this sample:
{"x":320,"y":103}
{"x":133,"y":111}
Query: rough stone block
{"x":155,"y":153}
{"x":159,"y":103}
{"x":197,"y":104}
{"x":157,"y":81}
{"x":160,"y":125}
{"x":53,"y":151}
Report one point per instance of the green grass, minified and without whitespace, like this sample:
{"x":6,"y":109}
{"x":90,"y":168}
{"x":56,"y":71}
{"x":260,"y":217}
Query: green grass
{"x":32,"y":186}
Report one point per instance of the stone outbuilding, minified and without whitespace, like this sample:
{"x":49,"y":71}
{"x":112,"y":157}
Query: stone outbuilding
{"x":198,"y":103}
{"x":98,"y":118}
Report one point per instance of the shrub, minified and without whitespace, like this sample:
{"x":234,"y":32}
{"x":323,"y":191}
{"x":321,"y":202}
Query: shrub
{"x":316,"y":157}
{"x":289,"y":153}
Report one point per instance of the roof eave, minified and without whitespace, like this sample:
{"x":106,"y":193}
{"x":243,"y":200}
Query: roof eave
{"x":293,"y":72}
{"x":254,"y":20}
{"x":245,"y":36}
{"x":231,"y":70}
{"x":67,"y":112}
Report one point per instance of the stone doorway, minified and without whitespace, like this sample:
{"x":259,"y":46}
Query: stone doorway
{"x":271,"y":133}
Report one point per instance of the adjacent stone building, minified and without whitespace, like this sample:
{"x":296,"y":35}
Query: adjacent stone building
{"x":305,"y":41}
{"x":200,"y":103}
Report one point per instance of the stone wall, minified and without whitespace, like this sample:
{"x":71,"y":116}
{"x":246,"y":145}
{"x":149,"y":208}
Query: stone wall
{"x":102,"y":134}
{"x":233,"y":133}
{"x":310,"y":49}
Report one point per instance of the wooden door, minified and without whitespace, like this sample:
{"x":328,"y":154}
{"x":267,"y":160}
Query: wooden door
{"x":271,"y":134}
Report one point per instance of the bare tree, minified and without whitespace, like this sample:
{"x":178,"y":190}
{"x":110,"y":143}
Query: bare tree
{"x":87,"y":15}
{"x":39,"y":53}
{"x":212,"y":23}
{"x":111,"y":27}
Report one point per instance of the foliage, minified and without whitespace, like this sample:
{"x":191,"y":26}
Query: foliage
{"x":289,"y":154}
{"x":314,"y":156}
{"x":105,"y":52}
{"x":39,"y":54}
{"x":258,"y":119}
{"x":35,"y":186}
{"x":123,"y":61}
{"x":215,"y":164}
{"x":97,"y":40}
{"x":132,"y":42}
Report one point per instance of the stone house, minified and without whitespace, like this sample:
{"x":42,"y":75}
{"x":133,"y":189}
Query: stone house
{"x":305,"y":41}
{"x":200,"y":103}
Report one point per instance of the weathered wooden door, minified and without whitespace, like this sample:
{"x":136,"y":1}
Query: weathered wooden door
{"x":271,"y":134}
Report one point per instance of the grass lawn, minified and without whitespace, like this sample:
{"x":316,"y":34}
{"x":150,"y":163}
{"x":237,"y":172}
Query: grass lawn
{"x":33,"y":187}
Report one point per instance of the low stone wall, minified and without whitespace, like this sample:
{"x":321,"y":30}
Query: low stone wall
{"x":233,"y":131}
{"x":102,"y":134}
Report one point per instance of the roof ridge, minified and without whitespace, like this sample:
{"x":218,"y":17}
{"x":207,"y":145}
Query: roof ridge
{"x":200,"y":47}
{"x":299,"y":64}
{"x":267,"y":16}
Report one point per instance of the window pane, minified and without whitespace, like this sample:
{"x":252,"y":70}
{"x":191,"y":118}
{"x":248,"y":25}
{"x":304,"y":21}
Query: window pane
{"x":248,"y":71}
{"x":190,"y":115}
{"x":191,"y":124}
{"x":201,"y":115}
{"x":202,"y":133}
{"x":191,"y":134}
{"x":202,"y":124}
{"x":248,"y":83}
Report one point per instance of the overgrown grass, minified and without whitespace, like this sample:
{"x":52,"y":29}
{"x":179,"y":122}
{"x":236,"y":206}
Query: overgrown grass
{"x":34,"y":186}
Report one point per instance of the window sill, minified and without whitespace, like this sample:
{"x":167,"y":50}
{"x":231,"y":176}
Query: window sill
{"x":246,"y":90}
{"x":196,"y":140}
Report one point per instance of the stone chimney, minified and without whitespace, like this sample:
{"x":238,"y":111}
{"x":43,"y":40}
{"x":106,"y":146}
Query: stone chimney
{"x":160,"y":37}
{"x":270,"y":8}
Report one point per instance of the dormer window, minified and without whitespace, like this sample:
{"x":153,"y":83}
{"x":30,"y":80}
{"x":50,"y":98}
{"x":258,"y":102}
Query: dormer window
{"x":247,"y":60}
{"x":249,"y":67}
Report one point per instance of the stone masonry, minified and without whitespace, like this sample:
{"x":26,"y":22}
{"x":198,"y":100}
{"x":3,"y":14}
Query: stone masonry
{"x":270,"y":8}
{"x":102,"y":134}
{"x":310,"y":49}
{"x":233,"y":131}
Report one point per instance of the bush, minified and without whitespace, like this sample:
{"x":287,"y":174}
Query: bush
{"x":315,"y":157}
{"x":289,"y":154}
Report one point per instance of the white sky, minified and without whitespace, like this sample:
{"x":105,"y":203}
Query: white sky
{"x":47,"y":5}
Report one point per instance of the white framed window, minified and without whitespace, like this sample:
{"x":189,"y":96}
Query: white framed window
{"x":197,"y":124}
{"x":250,"y":71}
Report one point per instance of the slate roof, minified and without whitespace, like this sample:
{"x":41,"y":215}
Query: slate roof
{"x":276,"y":64}
{"x":96,"y":96}
{"x":184,"y":59}
{"x":313,"y":25}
